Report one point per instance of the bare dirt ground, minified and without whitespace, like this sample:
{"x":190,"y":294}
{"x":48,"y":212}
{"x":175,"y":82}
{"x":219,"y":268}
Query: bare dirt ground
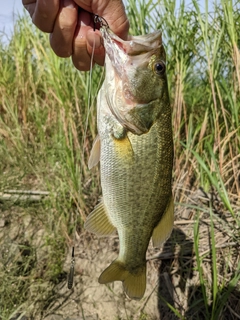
{"x":171,"y":276}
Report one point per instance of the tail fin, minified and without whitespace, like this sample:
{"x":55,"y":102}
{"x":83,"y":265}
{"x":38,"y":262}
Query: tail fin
{"x":134,"y":284}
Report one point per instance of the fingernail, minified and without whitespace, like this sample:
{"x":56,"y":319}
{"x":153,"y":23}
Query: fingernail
{"x":29,"y":8}
{"x":68,"y":4}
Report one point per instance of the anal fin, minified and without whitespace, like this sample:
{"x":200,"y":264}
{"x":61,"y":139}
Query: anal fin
{"x":163,"y":230}
{"x":98,"y":221}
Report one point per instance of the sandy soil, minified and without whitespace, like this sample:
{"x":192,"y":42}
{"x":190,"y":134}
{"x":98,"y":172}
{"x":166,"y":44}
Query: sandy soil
{"x":171,"y":275}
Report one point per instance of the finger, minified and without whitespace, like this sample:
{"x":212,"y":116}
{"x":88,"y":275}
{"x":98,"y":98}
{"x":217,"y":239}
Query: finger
{"x":43,"y":13}
{"x":80,"y":57}
{"x":64,"y":28}
{"x":95,"y":46}
{"x":116,"y":17}
{"x":112,"y":10}
{"x":30,"y":6}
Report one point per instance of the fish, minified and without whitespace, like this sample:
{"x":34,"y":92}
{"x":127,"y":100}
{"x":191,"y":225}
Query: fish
{"x":135,"y":148}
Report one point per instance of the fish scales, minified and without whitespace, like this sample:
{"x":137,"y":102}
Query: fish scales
{"x":135,"y":150}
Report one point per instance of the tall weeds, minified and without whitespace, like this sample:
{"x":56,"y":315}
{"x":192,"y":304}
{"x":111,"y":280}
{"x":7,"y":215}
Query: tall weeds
{"x":44,"y":106}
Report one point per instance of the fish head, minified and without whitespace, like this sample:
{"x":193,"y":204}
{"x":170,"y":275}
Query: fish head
{"x":135,"y":81}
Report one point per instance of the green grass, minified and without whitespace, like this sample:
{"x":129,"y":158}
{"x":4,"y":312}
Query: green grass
{"x":48,"y":122}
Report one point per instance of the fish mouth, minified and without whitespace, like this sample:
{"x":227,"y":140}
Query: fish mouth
{"x":132,"y":51}
{"x":126,"y":58}
{"x":135,"y":45}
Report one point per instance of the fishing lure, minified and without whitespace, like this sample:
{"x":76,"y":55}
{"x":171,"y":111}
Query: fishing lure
{"x":71,"y":273}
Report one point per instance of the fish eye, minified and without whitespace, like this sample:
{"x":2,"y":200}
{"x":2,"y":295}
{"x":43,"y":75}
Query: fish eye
{"x":159,"y":67}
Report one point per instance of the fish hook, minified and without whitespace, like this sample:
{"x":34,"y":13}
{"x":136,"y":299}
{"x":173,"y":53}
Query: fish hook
{"x":99,"y":20}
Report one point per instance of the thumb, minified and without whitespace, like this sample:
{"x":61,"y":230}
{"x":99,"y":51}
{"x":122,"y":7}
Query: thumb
{"x":116,"y":17}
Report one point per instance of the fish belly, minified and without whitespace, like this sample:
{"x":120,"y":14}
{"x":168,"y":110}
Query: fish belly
{"x":136,"y":182}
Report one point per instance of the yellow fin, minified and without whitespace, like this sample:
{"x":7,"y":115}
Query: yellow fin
{"x":123,"y":148}
{"x":98,"y":221}
{"x":134,"y":284}
{"x":95,"y":153}
{"x":164,"y":228}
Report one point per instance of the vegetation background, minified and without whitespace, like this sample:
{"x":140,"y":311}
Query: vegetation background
{"x":47,"y":125}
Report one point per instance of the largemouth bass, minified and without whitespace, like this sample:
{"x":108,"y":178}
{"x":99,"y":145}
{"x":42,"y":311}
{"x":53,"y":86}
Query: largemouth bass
{"x":135,"y":149}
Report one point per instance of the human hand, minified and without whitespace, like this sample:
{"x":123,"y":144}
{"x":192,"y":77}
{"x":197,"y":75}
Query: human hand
{"x":70,"y":24}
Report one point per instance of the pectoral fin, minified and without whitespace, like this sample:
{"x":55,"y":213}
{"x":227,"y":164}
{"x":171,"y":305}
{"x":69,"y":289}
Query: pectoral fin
{"x":124,"y":150}
{"x":164,"y":228}
{"x":95,"y":153}
{"x":98,"y":221}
